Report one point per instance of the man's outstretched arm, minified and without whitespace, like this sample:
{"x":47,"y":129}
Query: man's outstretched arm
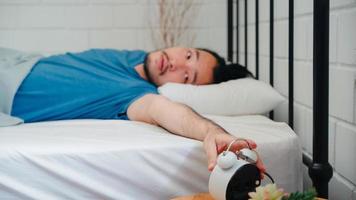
{"x":182,"y":120}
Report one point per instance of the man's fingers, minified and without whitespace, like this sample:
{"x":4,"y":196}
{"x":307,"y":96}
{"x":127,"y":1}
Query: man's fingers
{"x":238,"y":144}
{"x":252,"y":144}
{"x":211,"y":152}
{"x":262,"y":168}
{"x":221,"y":148}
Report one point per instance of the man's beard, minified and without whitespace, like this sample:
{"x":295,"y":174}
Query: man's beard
{"x":147,"y":70}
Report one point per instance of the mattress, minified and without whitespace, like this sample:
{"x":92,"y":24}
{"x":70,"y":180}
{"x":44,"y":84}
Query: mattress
{"x":116,"y":159}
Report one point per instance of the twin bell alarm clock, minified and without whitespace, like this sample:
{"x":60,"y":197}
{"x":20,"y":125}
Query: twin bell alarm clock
{"x":235,"y":174}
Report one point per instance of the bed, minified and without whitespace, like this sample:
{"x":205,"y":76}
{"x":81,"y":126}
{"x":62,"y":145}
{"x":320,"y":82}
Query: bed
{"x":114,"y":159}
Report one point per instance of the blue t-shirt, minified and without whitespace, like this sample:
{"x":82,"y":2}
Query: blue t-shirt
{"x":95,"y":84}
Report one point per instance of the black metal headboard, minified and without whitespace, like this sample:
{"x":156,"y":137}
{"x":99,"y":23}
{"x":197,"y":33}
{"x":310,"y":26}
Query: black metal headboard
{"x":320,"y":170}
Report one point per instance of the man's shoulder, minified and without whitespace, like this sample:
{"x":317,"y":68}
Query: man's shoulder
{"x":113,"y":50}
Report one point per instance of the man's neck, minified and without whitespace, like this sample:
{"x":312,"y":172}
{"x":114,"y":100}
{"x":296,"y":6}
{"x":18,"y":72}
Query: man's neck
{"x":139,"y":69}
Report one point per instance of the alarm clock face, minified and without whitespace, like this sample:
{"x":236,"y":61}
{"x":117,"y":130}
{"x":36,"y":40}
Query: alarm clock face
{"x":245,"y":180}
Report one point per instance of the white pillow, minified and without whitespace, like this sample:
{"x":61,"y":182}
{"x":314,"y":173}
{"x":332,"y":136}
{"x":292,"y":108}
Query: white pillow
{"x":235,"y":97}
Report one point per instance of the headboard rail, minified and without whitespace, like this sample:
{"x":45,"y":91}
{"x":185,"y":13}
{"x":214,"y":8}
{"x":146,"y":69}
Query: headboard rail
{"x":318,"y":165}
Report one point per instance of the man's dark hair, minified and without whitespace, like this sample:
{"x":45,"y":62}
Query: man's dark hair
{"x":224,"y":72}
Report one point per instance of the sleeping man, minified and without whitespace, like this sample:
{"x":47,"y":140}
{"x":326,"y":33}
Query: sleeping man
{"x":113,"y":84}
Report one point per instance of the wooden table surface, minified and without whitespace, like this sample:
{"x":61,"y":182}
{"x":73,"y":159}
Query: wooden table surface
{"x":202,"y":196}
{"x":206,"y":196}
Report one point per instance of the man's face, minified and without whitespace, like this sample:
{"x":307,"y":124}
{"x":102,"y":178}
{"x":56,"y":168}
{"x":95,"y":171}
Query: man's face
{"x":180,"y":65}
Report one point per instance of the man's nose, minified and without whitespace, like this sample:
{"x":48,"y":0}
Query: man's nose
{"x":172,"y":66}
{"x":175,"y":65}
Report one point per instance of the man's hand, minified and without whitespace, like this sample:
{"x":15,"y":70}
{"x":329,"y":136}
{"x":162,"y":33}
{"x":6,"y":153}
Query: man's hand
{"x":214,"y":144}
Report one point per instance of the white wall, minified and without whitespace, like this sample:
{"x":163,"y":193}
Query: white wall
{"x":52,"y":26}
{"x":342,"y":121}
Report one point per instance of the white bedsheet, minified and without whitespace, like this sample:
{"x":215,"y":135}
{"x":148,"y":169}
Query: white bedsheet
{"x":107,"y":159}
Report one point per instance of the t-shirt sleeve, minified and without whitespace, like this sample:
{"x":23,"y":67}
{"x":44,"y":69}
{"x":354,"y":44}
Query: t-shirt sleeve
{"x":137,"y":93}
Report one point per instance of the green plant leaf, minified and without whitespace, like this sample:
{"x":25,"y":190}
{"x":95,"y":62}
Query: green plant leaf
{"x":307,"y":195}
